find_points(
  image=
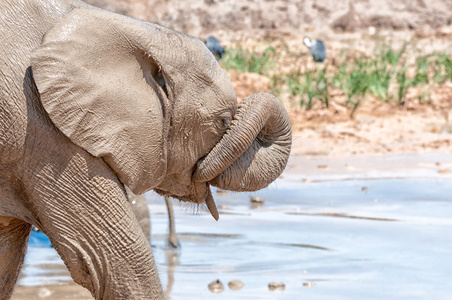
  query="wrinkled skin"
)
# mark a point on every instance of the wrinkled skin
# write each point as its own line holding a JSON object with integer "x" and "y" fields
{"x": 91, "y": 102}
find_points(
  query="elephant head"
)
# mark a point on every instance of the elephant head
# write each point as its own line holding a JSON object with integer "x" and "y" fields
{"x": 157, "y": 107}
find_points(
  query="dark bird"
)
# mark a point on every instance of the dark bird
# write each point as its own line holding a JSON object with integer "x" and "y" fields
{"x": 214, "y": 46}
{"x": 317, "y": 49}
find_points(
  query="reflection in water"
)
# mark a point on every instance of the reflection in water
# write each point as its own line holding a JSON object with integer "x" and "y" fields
{"x": 293, "y": 245}
{"x": 172, "y": 260}
{"x": 305, "y": 246}
{"x": 339, "y": 215}
{"x": 206, "y": 236}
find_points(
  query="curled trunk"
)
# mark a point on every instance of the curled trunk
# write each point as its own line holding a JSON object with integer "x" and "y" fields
{"x": 254, "y": 151}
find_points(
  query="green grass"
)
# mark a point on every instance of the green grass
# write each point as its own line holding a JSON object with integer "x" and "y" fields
{"x": 249, "y": 61}
{"x": 386, "y": 75}
{"x": 442, "y": 67}
{"x": 311, "y": 86}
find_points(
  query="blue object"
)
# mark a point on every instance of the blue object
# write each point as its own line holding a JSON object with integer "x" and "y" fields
{"x": 317, "y": 49}
{"x": 214, "y": 46}
{"x": 39, "y": 239}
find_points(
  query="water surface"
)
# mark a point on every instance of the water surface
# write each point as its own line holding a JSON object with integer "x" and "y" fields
{"x": 324, "y": 237}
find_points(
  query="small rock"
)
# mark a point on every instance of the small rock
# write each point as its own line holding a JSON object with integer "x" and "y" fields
{"x": 256, "y": 202}
{"x": 272, "y": 286}
{"x": 44, "y": 293}
{"x": 235, "y": 285}
{"x": 349, "y": 168}
{"x": 256, "y": 199}
{"x": 221, "y": 191}
{"x": 216, "y": 286}
{"x": 309, "y": 284}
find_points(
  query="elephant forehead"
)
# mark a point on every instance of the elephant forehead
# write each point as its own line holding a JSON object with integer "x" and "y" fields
{"x": 205, "y": 107}
{"x": 196, "y": 97}
{"x": 197, "y": 70}
{"x": 218, "y": 96}
{"x": 225, "y": 90}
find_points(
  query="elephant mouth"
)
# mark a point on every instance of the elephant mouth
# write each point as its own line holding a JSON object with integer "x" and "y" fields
{"x": 197, "y": 192}
{"x": 249, "y": 156}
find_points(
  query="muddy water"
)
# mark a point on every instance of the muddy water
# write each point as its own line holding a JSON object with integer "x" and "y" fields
{"x": 328, "y": 232}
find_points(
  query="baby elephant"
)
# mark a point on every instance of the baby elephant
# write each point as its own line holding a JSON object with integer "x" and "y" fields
{"x": 91, "y": 102}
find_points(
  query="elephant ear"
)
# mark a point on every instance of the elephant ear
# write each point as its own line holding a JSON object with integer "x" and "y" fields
{"x": 103, "y": 87}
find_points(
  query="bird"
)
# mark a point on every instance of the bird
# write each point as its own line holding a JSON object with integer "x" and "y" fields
{"x": 214, "y": 46}
{"x": 317, "y": 49}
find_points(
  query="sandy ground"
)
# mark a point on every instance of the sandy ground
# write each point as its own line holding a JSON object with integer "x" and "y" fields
{"x": 54, "y": 292}
{"x": 400, "y": 132}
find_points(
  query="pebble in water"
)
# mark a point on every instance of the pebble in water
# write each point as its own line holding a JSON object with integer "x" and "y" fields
{"x": 272, "y": 286}
{"x": 444, "y": 171}
{"x": 44, "y": 293}
{"x": 235, "y": 285}
{"x": 221, "y": 191}
{"x": 216, "y": 286}
{"x": 256, "y": 201}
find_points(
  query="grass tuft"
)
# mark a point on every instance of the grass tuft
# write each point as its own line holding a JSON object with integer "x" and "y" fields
{"x": 244, "y": 60}
{"x": 386, "y": 75}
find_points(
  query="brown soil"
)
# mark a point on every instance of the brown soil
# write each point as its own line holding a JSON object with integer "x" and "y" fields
{"x": 376, "y": 128}
{"x": 54, "y": 292}
{"x": 199, "y": 17}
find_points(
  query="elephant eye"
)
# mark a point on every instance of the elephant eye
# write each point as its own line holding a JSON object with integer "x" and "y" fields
{"x": 225, "y": 123}
{"x": 161, "y": 82}
{"x": 224, "y": 120}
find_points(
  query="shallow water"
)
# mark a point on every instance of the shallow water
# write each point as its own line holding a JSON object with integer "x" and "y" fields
{"x": 324, "y": 238}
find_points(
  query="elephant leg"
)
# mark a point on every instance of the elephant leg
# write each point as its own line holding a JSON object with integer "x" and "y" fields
{"x": 172, "y": 238}
{"x": 81, "y": 206}
{"x": 14, "y": 234}
{"x": 103, "y": 246}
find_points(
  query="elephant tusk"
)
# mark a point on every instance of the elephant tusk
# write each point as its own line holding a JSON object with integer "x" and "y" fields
{"x": 211, "y": 205}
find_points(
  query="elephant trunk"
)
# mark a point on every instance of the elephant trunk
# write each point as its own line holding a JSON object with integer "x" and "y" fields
{"x": 254, "y": 151}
